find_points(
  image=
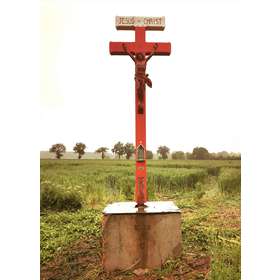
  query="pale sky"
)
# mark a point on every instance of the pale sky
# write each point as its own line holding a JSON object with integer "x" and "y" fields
{"x": 87, "y": 95}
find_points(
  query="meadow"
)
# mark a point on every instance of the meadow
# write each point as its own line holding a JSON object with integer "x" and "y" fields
{"x": 74, "y": 193}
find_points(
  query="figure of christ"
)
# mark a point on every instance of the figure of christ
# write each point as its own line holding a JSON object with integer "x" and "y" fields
{"x": 141, "y": 77}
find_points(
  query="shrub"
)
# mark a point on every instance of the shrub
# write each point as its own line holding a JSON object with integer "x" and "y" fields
{"x": 229, "y": 180}
{"x": 52, "y": 197}
{"x": 179, "y": 155}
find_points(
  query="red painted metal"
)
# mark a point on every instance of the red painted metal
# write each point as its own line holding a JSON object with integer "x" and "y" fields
{"x": 116, "y": 48}
{"x": 140, "y": 52}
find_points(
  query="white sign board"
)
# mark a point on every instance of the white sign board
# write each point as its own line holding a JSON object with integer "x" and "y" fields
{"x": 129, "y": 23}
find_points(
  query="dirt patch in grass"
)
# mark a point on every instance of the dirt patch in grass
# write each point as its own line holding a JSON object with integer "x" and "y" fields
{"x": 191, "y": 266}
{"x": 82, "y": 261}
{"x": 72, "y": 261}
{"x": 226, "y": 217}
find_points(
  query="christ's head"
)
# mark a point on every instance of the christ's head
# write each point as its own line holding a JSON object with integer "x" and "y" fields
{"x": 140, "y": 56}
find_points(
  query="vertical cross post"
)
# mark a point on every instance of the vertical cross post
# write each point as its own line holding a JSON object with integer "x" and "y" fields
{"x": 140, "y": 52}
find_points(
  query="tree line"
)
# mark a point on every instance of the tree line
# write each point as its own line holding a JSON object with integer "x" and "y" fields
{"x": 120, "y": 150}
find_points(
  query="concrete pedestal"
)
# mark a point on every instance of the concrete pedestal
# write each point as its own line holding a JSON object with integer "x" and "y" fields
{"x": 140, "y": 237}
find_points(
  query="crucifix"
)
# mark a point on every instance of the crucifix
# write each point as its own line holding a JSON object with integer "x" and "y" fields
{"x": 140, "y": 52}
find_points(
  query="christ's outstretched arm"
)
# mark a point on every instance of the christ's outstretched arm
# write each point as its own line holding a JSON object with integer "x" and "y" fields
{"x": 153, "y": 52}
{"x": 129, "y": 53}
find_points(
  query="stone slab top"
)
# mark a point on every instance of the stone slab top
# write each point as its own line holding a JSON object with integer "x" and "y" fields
{"x": 152, "y": 207}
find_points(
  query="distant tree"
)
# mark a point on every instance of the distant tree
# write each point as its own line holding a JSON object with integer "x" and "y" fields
{"x": 213, "y": 156}
{"x": 79, "y": 148}
{"x": 149, "y": 154}
{"x": 178, "y": 155}
{"x": 129, "y": 150}
{"x": 102, "y": 151}
{"x": 118, "y": 149}
{"x": 237, "y": 156}
{"x": 223, "y": 155}
{"x": 229, "y": 156}
{"x": 200, "y": 153}
{"x": 188, "y": 155}
{"x": 163, "y": 151}
{"x": 59, "y": 149}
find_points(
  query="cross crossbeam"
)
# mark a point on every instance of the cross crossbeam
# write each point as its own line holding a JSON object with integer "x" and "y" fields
{"x": 116, "y": 48}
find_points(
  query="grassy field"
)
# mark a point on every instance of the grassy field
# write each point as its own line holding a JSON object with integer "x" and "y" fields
{"x": 74, "y": 192}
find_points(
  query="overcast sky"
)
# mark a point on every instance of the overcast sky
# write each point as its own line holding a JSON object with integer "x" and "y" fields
{"x": 87, "y": 95}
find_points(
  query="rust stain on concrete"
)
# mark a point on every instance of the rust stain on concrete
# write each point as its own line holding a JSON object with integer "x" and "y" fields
{"x": 141, "y": 240}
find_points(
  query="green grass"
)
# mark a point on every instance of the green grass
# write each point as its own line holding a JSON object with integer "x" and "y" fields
{"x": 230, "y": 180}
{"x": 59, "y": 198}
{"x": 61, "y": 229}
{"x": 210, "y": 219}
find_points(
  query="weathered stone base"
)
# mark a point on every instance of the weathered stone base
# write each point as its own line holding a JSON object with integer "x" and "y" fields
{"x": 140, "y": 238}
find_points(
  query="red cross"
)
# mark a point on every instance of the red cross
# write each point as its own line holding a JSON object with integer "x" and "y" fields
{"x": 140, "y": 51}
